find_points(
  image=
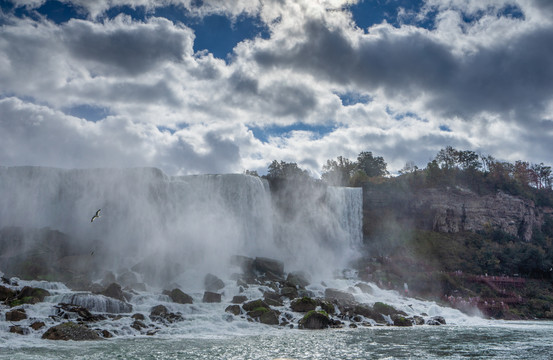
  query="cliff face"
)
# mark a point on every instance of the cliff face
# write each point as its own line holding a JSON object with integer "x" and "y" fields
{"x": 454, "y": 210}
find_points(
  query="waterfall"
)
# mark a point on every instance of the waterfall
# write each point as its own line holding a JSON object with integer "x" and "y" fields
{"x": 169, "y": 224}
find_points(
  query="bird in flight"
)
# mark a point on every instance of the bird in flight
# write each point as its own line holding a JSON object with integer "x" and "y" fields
{"x": 97, "y": 215}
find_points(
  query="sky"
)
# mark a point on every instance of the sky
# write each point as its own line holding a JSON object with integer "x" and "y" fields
{"x": 224, "y": 86}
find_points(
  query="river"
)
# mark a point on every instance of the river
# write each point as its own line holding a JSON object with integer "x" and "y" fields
{"x": 494, "y": 340}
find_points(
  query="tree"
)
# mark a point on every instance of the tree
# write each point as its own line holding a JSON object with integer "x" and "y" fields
{"x": 338, "y": 172}
{"x": 283, "y": 170}
{"x": 251, "y": 172}
{"x": 372, "y": 166}
{"x": 447, "y": 158}
{"x": 408, "y": 168}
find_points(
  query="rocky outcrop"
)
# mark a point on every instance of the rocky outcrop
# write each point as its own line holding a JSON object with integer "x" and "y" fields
{"x": 213, "y": 283}
{"x": 303, "y": 304}
{"x": 70, "y": 331}
{"x": 314, "y": 320}
{"x": 178, "y": 296}
{"x": 16, "y": 315}
{"x": 211, "y": 297}
{"x": 161, "y": 314}
{"x": 456, "y": 209}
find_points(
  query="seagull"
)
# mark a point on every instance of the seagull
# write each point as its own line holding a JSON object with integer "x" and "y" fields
{"x": 97, "y": 215}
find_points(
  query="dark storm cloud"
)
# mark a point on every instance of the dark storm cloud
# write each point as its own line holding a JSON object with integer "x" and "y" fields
{"x": 515, "y": 75}
{"x": 129, "y": 49}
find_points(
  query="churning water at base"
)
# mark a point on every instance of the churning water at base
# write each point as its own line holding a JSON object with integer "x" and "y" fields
{"x": 496, "y": 340}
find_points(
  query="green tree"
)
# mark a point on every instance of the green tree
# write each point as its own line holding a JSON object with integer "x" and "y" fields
{"x": 283, "y": 170}
{"x": 372, "y": 166}
{"x": 338, "y": 172}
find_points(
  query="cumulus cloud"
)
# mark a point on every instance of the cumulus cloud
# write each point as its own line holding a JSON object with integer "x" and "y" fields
{"x": 479, "y": 77}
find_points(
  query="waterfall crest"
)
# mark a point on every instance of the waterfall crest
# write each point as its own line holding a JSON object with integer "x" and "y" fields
{"x": 168, "y": 224}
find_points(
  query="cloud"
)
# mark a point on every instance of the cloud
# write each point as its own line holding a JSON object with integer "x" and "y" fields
{"x": 480, "y": 70}
{"x": 123, "y": 46}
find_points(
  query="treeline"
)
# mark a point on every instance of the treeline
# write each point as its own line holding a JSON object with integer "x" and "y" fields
{"x": 482, "y": 174}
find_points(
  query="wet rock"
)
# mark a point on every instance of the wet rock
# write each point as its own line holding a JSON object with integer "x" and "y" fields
{"x": 418, "y": 320}
{"x": 29, "y": 295}
{"x": 161, "y": 314}
{"x": 327, "y": 306}
{"x": 364, "y": 288}
{"x": 70, "y": 331}
{"x": 289, "y": 292}
{"x": 6, "y": 293}
{"x": 386, "y": 309}
{"x": 138, "y": 316}
{"x": 178, "y": 296}
{"x": 251, "y": 305}
{"x": 257, "y": 312}
{"x": 80, "y": 311}
{"x": 16, "y": 329}
{"x": 245, "y": 263}
{"x": 337, "y": 295}
{"x": 138, "y": 325}
{"x": 303, "y": 304}
{"x": 114, "y": 291}
{"x": 402, "y": 321}
{"x": 37, "y": 325}
{"x": 264, "y": 265}
{"x": 297, "y": 279}
{"x": 16, "y": 315}
{"x": 106, "y": 334}
{"x": 367, "y": 312}
{"x": 233, "y": 309}
{"x": 314, "y": 320}
{"x": 239, "y": 299}
{"x": 269, "y": 318}
{"x": 211, "y": 297}
{"x": 97, "y": 303}
{"x": 436, "y": 320}
{"x": 213, "y": 283}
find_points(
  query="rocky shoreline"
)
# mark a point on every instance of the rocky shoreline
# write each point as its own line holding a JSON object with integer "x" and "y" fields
{"x": 284, "y": 300}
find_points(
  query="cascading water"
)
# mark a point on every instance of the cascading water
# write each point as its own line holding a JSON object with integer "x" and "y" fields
{"x": 169, "y": 232}
{"x": 182, "y": 222}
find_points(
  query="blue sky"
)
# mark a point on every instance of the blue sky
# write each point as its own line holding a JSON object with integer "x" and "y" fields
{"x": 218, "y": 86}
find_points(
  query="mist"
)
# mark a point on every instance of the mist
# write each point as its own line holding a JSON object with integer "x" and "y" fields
{"x": 178, "y": 228}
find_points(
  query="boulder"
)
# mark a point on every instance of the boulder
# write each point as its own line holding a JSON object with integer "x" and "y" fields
{"x": 138, "y": 325}
{"x": 303, "y": 304}
{"x": 314, "y": 320}
{"x": 138, "y": 316}
{"x": 327, "y": 306}
{"x": 257, "y": 312}
{"x": 80, "y": 311}
{"x": 269, "y": 318}
{"x": 233, "y": 309}
{"x": 239, "y": 299}
{"x": 264, "y": 265}
{"x": 386, "y": 309}
{"x": 297, "y": 279}
{"x": 161, "y": 314}
{"x": 16, "y": 315}
{"x": 37, "y": 325}
{"x": 400, "y": 320}
{"x": 436, "y": 320}
{"x": 249, "y": 306}
{"x": 29, "y": 295}
{"x": 70, "y": 331}
{"x": 6, "y": 293}
{"x": 178, "y": 296}
{"x": 364, "y": 288}
{"x": 16, "y": 329}
{"x": 109, "y": 278}
{"x": 114, "y": 291}
{"x": 211, "y": 297}
{"x": 213, "y": 283}
{"x": 245, "y": 263}
{"x": 289, "y": 292}
{"x": 106, "y": 334}
{"x": 367, "y": 312}
{"x": 337, "y": 295}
